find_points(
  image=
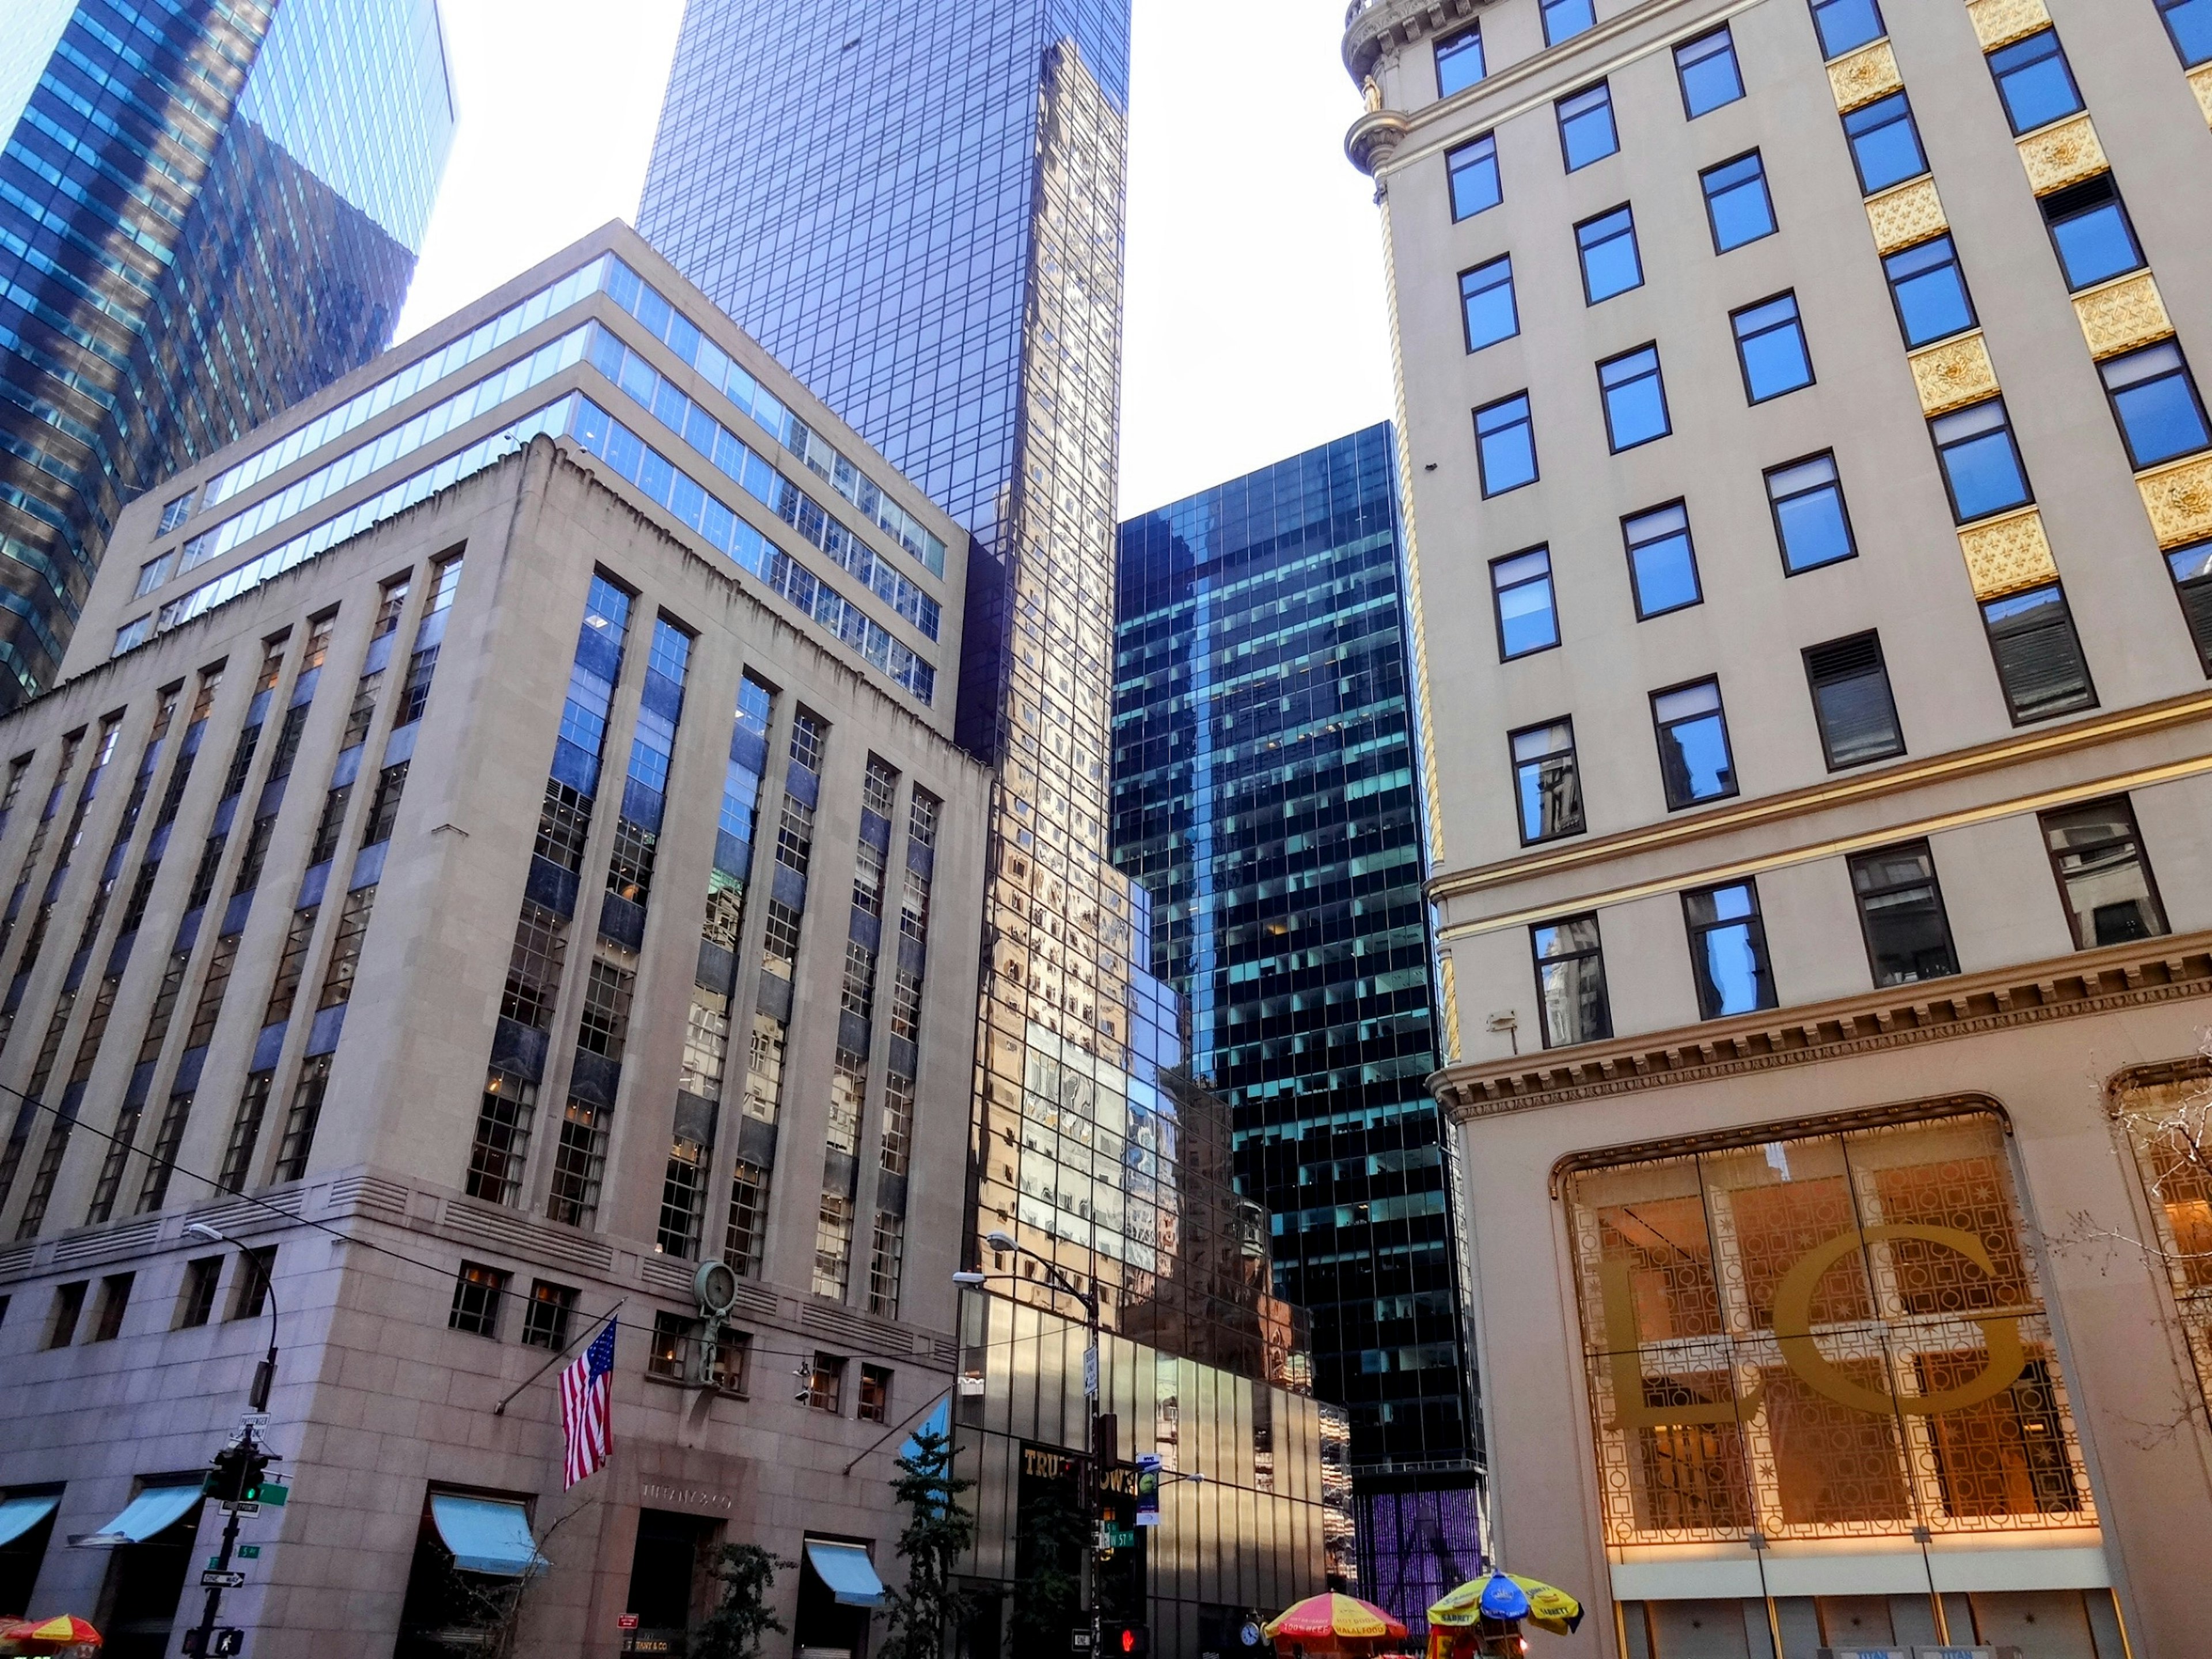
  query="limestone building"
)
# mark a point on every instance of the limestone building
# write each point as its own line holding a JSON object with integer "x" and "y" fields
{"x": 1810, "y": 500}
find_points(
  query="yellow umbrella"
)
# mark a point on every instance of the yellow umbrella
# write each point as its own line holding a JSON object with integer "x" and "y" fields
{"x": 1333, "y": 1618}
{"x": 1508, "y": 1595}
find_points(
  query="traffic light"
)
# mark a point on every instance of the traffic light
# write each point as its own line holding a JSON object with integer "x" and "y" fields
{"x": 236, "y": 1475}
{"x": 219, "y": 1643}
{"x": 1127, "y": 1639}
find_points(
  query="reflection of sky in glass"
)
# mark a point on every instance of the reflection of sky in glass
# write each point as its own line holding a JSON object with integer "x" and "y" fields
{"x": 2161, "y": 418}
{"x": 1701, "y": 750}
{"x": 1733, "y": 966}
{"x": 2096, "y": 245}
{"x": 1666, "y": 578}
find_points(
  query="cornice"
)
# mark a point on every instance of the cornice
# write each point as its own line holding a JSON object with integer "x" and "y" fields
{"x": 2142, "y": 973}
{"x": 1372, "y": 28}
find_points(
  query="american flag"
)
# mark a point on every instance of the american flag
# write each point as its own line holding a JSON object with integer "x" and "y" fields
{"x": 587, "y": 1409}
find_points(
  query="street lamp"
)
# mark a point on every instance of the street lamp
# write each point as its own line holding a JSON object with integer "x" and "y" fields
{"x": 265, "y": 1374}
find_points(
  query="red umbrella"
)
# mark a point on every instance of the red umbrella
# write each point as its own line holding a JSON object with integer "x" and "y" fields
{"x": 48, "y": 1635}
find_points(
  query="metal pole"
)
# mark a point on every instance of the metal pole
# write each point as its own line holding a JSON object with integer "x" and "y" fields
{"x": 214, "y": 1591}
{"x": 1097, "y": 1370}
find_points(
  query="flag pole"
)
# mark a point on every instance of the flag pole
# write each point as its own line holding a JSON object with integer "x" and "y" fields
{"x": 590, "y": 1328}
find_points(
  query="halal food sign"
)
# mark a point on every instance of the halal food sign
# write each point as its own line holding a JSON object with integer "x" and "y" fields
{"x": 1793, "y": 1332}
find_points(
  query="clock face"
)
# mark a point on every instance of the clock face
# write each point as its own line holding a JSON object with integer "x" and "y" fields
{"x": 717, "y": 1287}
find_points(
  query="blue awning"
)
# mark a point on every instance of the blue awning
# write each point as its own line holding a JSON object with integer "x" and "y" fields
{"x": 486, "y": 1535}
{"x": 848, "y": 1572}
{"x": 18, "y": 1515}
{"x": 153, "y": 1510}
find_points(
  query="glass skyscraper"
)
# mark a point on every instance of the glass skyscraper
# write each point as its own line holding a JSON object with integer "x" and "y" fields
{"x": 1265, "y": 791}
{"x": 206, "y": 213}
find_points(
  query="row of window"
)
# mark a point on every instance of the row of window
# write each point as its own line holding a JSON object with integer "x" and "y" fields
{"x": 196, "y": 1298}
{"x": 2097, "y": 857}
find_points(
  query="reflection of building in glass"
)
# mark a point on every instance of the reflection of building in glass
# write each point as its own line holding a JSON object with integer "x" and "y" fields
{"x": 1264, "y": 791}
{"x": 282, "y": 170}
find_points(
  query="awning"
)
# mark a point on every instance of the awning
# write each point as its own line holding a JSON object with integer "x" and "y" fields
{"x": 18, "y": 1515}
{"x": 486, "y": 1535}
{"x": 848, "y": 1572}
{"x": 153, "y": 1510}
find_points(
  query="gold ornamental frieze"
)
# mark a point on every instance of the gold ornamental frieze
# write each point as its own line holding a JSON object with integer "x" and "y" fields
{"x": 2064, "y": 155}
{"x": 1866, "y": 74}
{"x": 2179, "y": 499}
{"x": 1911, "y": 213}
{"x": 2008, "y": 555}
{"x": 2122, "y": 315}
{"x": 1954, "y": 374}
{"x": 2001, "y": 22}
{"x": 2201, "y": 79}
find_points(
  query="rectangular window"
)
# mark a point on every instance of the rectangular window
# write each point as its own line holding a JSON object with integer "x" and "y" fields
{"x": 1475, "y": 185}
{"x": 1810, "y": 522}
{"x": 2038, "y": 654}
{"x": 1485, "y": 298}
{"x": 833, "y": 1246}
{"x": 1693, "y": 744}
{"x": 1885, "y": 143}
{"x": 1982, "y": 466}
{"x": 1851, "y": 701}
{"x": 1737, "y": 204}
{"x": 580, "y": 1159}
{"x": 477, "y": 1292}
{"x": 1727, "y": 951}
{"x": 114, "y": 1302}
{"x": 1565, "y": 19}
{"x": 1505, "y": 444}
{"x": 824, "y": 1389}
{"x": 875, "y": 1402}
{"x": 501, "y": 1146}
{"x": 1548, "y": 782}
{"x": 1846, "y": 25}
{"x": 2033, "y": 80}
{"x": 2089, "y": 228}
{"x": 747, "y": 1228}
{"x": 175, "y": 512}
{"x": 249, "y": 1294}
{"x": 301, "y": 1117}
{"x": 1770, "y": 344}
{"x": 886, "y": 1265}
{"x": 1635, "y": 399}
{"x": 1520, "y": 589}
{"x": 1459, "y": 61}
{"x": 2097, "y": 853}
{"x": 1571, "y": 981}
{"x": 196, "y": 1301}
{"x": 2154, "y": 399}
{"x": 1929, "y": 292}
{"x": 1908, "y": 936}
{"x": 1707, "y": 69}
{"x": 68, "y": 1307}
{"x": 545, "y": 1316}
{"x": 345, "y": 947}
{"x": 1610, "y": 261}
{"x": 675, "y": 1336}
{"x": 2189, "y": 23}
{"x": 2192, "y": 581}
{"x": 1662, "y": 566}
{"x": 1587, "y": 133}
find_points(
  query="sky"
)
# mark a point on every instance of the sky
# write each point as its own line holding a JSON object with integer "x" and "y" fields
{"x": 1254, "y": 324}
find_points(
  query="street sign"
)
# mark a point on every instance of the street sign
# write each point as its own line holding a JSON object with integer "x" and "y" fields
{"x": 1090, "y": 1372}
{"x": 1113, "y": 1536}
{"x": 249, "y": 1508}
{"x": 249, "y": 1551}
{"x": 1148, "y": 1490}
{"x": 627, "y": 1621}
{"x": 212, "y": 1580}
{"x": 1079, "y": 1639}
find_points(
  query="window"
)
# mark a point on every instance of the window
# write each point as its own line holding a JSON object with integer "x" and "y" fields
{"x": 1586, "y": 131}
{"x": 1884, "y": 144}
{"x": 1548, "y": 782}
{"x": 822, "y": 1384}
{"x": 2189, "y": 23}
{"x": 886, "y": 1264}
{"x": 1693, "y": 745}
{"x": 1485, "y": 298}
{"x": 505, "y": 1116}
{"x": 1459, "y": 61}
{"x": 175, "y": 512}
{"x": 2156, "y": 402}
{"x": 1610, "y": 264}
{"x": 1707, "y": 70}
{"x": 2192, "y": 579}
{"x": 1527, "y": 619}
{"x": 476, "y": 1291}
{"x": 2034, "y": 82}
{"x": 1769, "y": 342}
{"x": 1663, "y": 567}
{"x": 1908, "y": 937}
{"x": 383, "y": 805}
{"x": 1571, "y": 981}
{"x": 196, "y": 1301}
{"x": 114, "y": 1302}
{"x": 675, "y": 1336}
{"x": 1565, "y": 19}
{"x": 2038, "y": 655}
{"x": 1810, "y": 518}
{"x": 1635, "y": 399}
{"x": 1852, "y": 701}
{"x": 1929, "y": 292}
{"x": 1727, "y": 951}
{"x": 545, "y": 1316}
{"x": 875, "y": 1403}
{"x": 1737, "y": 204}
{"x": 68, "y": 1307}
{"x": 1505, "y": 444}
{"x": 1846, "y": 25}
{"x": 2089, "y": 228}
{"x": 1981, "y": 463}
{"x": 2096, "y": 851}
{"x": 249, "y": 1294}
{"x": 1475, "y": 185}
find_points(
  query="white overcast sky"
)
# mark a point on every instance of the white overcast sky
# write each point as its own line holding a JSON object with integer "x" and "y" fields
{"x": 1255, "y": 324}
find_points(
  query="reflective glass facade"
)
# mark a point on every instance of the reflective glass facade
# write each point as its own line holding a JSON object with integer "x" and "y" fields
{"x": 209, "y": 214}
{"x": 1264, "y": 791}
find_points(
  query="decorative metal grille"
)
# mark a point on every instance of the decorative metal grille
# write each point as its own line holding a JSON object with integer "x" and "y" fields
{"x": 2169, "y": 1124}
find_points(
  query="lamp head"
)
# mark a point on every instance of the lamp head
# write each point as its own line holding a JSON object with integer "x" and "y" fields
{"x": 205, "y": 1231}
{"x": 1000, "y": 1240}
{"x": 970, "y": 1281}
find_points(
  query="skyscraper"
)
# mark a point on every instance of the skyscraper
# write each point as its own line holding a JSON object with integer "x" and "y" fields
{"x": 942, "y": 264}
{"x": 210, "y": 212}
{"x": 1264, "y": 791}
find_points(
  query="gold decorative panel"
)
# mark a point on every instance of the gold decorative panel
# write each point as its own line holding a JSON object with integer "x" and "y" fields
{"x": 2179, "y": 499}
{"x": 2201, "y": 78}
{"x": 1911, "y": 213}
{"x": 2062, "y": 156}
{"x": 1954, "y": 374}
{"x": 2009, "y": 555}
{"x": 1866, "y": 74}
{"x": 2122, "y": 315}
{"x": 2001, "y": 22}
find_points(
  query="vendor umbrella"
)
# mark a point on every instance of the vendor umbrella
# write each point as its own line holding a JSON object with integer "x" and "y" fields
{"x": 1508, "y": 1595}
{"x": 1333, "y": 1618}
{"x": 44, "y": 1635}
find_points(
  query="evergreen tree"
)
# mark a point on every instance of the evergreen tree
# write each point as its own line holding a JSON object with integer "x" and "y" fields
{"x": 733, "y": 1630}
{"x": 940, "y": 1530}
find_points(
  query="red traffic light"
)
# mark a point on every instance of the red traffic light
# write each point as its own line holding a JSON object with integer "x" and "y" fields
{"x": 1127, "y": 1638}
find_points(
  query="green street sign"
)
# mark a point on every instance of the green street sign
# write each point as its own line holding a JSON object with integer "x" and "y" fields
{"x": 249, "y": 1551}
